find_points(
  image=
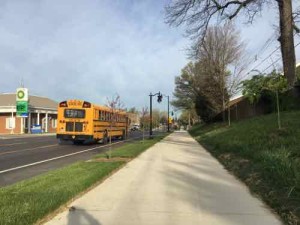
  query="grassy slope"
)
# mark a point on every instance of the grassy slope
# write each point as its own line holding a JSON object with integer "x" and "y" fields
{"x": 28, "y": 201}
{"x": 265, "y": 158}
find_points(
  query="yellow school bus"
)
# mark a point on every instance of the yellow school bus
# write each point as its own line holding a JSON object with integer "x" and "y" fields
{"x": 81, "y": 121}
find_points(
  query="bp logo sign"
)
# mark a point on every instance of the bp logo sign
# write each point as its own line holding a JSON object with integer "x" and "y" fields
{"x": 22, "y": 94}
{"x": 22, "y": 102}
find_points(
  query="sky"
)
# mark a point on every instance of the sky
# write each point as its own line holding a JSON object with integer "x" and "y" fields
{"x": 95, "y": 49}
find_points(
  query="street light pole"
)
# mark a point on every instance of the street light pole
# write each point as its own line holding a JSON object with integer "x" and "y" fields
{"x": 159, "y": 100}
{"x": 150, "y": 115}
{"x": 168, "y": 112}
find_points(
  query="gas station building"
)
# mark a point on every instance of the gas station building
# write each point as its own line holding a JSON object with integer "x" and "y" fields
{"x": 41, "y": 117}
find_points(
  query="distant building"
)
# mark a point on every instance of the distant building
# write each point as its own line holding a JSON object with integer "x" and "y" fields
{"x": 42, "y": 114}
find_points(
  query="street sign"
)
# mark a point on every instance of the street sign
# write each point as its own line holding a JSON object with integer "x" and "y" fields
{"x": 22, "y": 102}
{"x": 22, "y": 108}
{"x": 22, "y": 94}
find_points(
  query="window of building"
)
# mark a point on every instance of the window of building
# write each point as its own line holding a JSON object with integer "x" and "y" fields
{"x": 10, "y": 123}
{"x": 54, "y": 123}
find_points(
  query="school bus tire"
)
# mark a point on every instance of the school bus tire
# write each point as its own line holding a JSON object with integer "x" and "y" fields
{"x": 123, "y": 137}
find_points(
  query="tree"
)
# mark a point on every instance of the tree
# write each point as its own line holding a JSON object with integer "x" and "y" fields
{"x": 195, "y": 90}
{"x": 220, "y": 49}
{"x": 133, "y": 110}
{"x": 198, "y": 15}
{"x": 155, "y": 117}
{"x": 208, "y": 84}
{"x": 253, "y": 88}
{"x": 187, "y": 117}
{"x": 115, "y": 105}
{"x": 145, "y": 119}
{"x": 275, "y": 83}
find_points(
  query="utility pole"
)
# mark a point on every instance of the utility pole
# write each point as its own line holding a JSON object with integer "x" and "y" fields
{"x": 168, "y": 112}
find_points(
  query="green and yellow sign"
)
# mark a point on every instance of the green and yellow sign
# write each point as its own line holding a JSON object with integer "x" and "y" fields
{"x": 22, "y": 102}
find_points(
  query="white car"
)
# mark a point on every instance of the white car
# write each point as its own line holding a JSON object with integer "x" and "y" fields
{"x": 135, "y": 127}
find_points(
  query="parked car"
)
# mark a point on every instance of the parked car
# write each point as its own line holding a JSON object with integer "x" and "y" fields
{"x": 135, "y": 127}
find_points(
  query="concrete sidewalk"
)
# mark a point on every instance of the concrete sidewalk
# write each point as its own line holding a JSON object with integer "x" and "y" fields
{"x": 174, "y": 182}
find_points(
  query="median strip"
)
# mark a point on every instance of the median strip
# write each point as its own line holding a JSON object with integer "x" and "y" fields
{"x": 55, "y": 158}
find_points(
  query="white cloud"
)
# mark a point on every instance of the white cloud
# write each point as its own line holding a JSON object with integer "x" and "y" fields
{"x": 93, "y": 49}
{"x": 89, "y": 50}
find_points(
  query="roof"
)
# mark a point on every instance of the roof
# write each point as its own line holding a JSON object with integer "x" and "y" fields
{"x": 34, "y": 101}
{"x": 236, "y": 100}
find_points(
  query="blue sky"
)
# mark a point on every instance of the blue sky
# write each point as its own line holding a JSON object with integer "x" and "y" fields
{"x": 92, "y": 49}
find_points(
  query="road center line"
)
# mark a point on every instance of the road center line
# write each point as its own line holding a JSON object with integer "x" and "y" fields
{"x": 18, "y": 143}
{"x": 27, "y": 149}
{"x": 55, "y": 158}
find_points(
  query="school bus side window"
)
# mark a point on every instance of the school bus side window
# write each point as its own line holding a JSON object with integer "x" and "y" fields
{"x": 100, "y": 115}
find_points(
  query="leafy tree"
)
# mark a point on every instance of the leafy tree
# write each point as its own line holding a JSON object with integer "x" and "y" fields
{"x": 187, "y": 117}
{"x": 194, "y": 89}
{"x": 253, "y": 88}
{"x": 275, "y": 83}
{"x": 199, "y": 15}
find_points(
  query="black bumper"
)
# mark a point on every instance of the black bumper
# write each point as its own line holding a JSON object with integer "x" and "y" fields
{"x": 74, "y": 137}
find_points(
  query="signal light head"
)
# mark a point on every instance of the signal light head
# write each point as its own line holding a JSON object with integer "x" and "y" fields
{"x": 159, "y": 98}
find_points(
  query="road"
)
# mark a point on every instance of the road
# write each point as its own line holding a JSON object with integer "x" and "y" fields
{"x": 25, "y": 157}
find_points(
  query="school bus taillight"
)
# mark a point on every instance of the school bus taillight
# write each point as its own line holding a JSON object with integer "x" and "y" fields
{"x": 63, "y": 104}
{"x": 86, "y": 105}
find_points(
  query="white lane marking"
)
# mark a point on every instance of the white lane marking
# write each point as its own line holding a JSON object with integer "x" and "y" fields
{"x": 26, "y": 149}
{"x": 59, "y": 157}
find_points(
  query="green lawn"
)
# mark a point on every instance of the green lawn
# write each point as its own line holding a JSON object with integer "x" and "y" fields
{"x": 26, "y": 202}
{"x": 265, "y": 158}
{"x": 133, "y": 149}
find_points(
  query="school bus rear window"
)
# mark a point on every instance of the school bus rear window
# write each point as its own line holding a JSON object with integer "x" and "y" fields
{"x": 74, "y": 113}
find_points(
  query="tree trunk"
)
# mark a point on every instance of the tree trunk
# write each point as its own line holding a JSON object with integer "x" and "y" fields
{"x": 287, "y": 40}
{"x": 229, "y": 119}
{"x": 223, "y": 108}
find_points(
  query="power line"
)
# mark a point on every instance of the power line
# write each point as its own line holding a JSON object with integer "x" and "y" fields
{"x": 277, "y": 60}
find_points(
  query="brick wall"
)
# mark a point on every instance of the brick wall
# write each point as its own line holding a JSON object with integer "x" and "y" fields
{"x": 3, "y": 129}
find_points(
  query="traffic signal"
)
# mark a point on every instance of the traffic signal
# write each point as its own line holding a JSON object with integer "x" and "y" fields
{"x": 159, "y": 98}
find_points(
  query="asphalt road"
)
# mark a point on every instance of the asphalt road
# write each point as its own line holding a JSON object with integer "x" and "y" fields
{"x": 25, "y": 157}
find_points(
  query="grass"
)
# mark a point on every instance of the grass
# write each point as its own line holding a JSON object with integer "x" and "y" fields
{"x": 29, "y": 201}
{"x": 265, "y": 158}
{"x": 133, "y": 149}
